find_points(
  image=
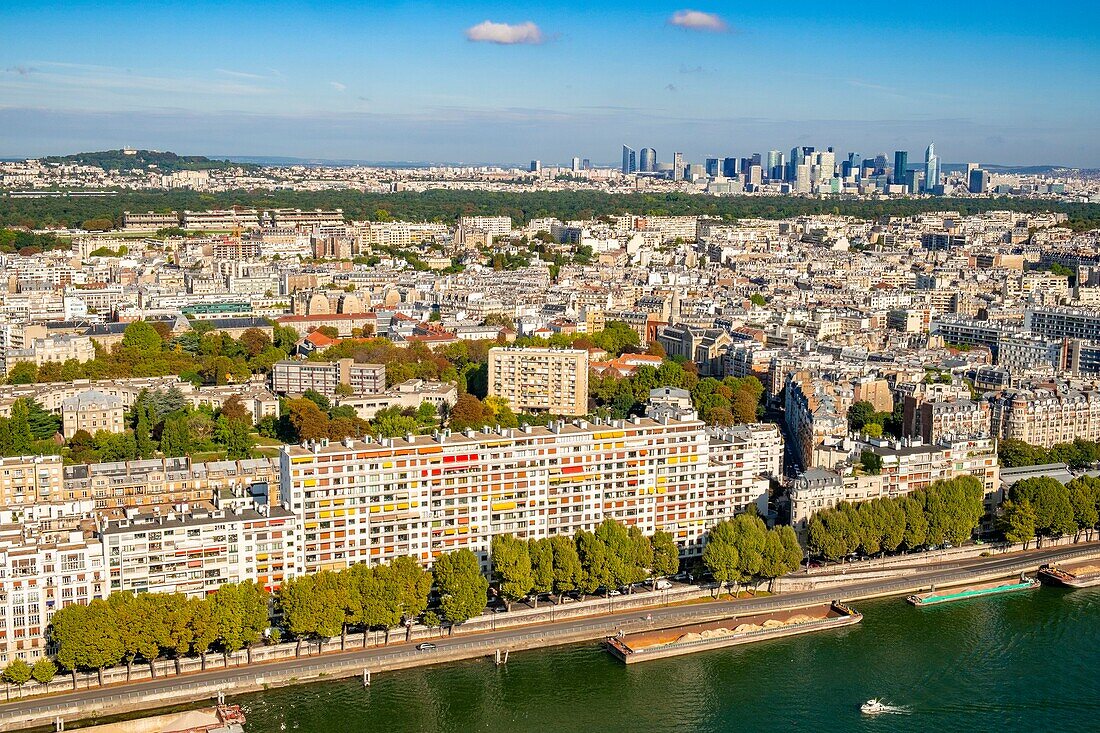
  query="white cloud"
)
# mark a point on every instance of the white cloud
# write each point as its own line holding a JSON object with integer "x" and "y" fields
{"x": 697, "y": 20}
{"x": 337, "y": 86}
{"x": 504, "y": 33}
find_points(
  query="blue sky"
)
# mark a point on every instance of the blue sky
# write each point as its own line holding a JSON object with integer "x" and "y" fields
{"x": 1001, "y": 82}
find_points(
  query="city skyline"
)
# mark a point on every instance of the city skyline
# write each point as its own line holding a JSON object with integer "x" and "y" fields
{"x": 495, "y": 83}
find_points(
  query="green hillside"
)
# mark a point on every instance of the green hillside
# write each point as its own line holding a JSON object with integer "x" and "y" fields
{"x": 145, "y": 159}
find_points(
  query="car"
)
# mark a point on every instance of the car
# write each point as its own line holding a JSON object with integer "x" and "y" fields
{"x": 426, "y": 646}
{"x": 663, "y": 585}
{"x": 947, "y": 545}
{"x": 614, "y": 592}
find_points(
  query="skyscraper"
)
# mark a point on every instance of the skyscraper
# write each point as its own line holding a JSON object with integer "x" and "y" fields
{"x": 852, "y": 165}
{"x": 901, "y": 164}
{"x": 630, "y": 160}
{"x": 775, "y": 165}
{"x": 677, "y": 166}
{"x": 729, "y": 167}
{"x": 797, "y": 157}
{"x": 880, "y": 164}
{"x": 978, "y": 181}
{"x": 713, "y": 167}
{"x": 931, "y": 169}
{"x": 536, "y": 166}
{"x": 648, "y": 160}
{"x": 575, "y": 164}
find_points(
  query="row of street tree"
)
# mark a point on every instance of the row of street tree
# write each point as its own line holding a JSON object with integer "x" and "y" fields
{"x": 1045, "y": 507}
{"x": 945, "y": 511}
{"x": 127, "y": 629}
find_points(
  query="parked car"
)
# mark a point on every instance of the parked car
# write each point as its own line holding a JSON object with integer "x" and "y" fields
{"x": 663, "y": 584}
{"x": 426, "y": 646}
{"x": 614, "y": 592}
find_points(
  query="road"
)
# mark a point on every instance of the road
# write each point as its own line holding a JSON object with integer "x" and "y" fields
{"x": 134, "y": 696}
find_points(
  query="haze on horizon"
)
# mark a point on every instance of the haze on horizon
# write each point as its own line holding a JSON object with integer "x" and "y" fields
{"x": 1004, "y": 83}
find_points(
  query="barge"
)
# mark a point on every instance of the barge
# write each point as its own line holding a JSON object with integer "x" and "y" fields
{"x": 1081, "y": 575}
{"x": 934, "y": 597}
{"x": 646, "y": 645}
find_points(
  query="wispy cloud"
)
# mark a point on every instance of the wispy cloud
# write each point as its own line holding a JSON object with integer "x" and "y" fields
{"x": 685, "y": 69}
{"x": 697, "y": 20}
{"x": 337, "y": 86}
{"x": 59, "y": 77}
{"x": 505, "y": 34}
{"x": 671, "y": 88}
{"x": 240, "y": 74}
{"x": 21, "y": 70}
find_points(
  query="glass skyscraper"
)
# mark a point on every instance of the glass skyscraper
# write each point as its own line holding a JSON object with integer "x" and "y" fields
{"x": 647, "y": 161}
{"x": 901, "y": 164}
{"x": 630, "y": 160}
{"x": 931, "y": 168}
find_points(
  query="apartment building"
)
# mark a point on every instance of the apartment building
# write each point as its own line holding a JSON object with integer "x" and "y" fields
{"x": 906, "y": 467}
{"x": 1046, "y": 416}
{"x": 540, "y": 380}
{"x": 41, "y": 570}
{"x": 194, "y": 549}
{"x": 55, "y": 349}
{"x": 410, "y": 394}
{"x": 29, "y": 480}
{"x": 221, "y": 220}
{"x": 162, "y": 481}
{"x": 92, "y": 411}
{"x": 1064, "y": 322}
{"x": 425, "y": 495}
{"x": 150, "y": 221}
{"x": 740, "y": 461}
{"x": 495, "y": 225}
{"x": 295, "y": 377}
{"x": 931, "y": 420}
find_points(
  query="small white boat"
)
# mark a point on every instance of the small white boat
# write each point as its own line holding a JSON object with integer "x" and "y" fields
{"x": 874, "y": 706}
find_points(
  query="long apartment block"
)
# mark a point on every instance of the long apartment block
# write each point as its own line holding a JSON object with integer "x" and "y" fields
{"x": 424, "y": 495}
{"x": 295, "y": 377}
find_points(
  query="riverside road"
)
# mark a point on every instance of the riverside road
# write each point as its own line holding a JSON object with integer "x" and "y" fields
{"x": 200, "y": 686}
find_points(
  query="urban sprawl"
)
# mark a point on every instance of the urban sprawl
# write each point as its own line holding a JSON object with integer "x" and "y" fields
{"x": 194, "y": 398}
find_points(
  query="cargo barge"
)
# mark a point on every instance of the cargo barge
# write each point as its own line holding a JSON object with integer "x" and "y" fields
{"x": 646, "y": 645}
{"x": 1081, "y": 575}
{"x": 934, "y": 597}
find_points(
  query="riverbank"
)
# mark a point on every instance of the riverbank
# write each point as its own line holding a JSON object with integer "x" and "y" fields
{"x": 151, "y": 694}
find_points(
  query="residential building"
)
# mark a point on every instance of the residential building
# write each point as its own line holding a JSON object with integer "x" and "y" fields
{"x": 92, "y": 411}
{"x": 295, "y": 377}
{"x": 540, "y": 379}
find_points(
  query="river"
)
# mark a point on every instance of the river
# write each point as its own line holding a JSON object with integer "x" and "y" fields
{"x": 1027, "y": 661}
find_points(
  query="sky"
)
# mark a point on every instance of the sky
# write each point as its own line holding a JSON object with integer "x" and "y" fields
{"x": 994, "y": 82}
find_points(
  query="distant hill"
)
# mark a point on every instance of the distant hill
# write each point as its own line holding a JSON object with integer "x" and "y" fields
{"x": 145, "y": 159}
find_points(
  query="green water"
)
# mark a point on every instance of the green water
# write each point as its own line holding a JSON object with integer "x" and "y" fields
{"x": 1026, "y": 661}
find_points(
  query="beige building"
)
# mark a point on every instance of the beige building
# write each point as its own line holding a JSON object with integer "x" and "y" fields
{"x": 30, "y": 480}
{"x": 540, "y": 380}
{"x": 295, "y": 377}
{"x": 93, "y": 411}
{"x": 1046, "y": 416}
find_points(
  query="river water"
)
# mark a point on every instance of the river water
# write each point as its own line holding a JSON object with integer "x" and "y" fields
{"x": 1027, "y": 661}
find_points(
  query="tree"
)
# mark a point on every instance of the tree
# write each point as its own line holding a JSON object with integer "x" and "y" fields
{"x": 871, "y": 462}
{"x": 23, "y": 372}
{"x": 595, "y": 565}
{"x": 142, "y": 339}
{"x": 254, "y": 341}
{"x": 101, "y": 646}
{"x": 666, "y": 556}
{"x": 512, "y": 567}
{"x": 1084, "y": 497}
{"x": 235, "y": 436}
{"x": 567, "y": 565}
{"x": 175, "y": 437}
{"x": 234, "y": 409}
{"x": 239, "y": 613}
{"x": 413, "y": 584}
{"x": 859, "y": 414}
{"x": 19, "y": 428}
{"x": 1050, "y": 499}
{"x": 467, "y": 412}
{"x": 142, "y": 433}
{"x": 18, "y": 672}
{"x": 1019, "y": 522}
{"x": 720, "y": 555}
{"x": 309, "y": 422}
{"x": 462, "y": 587}
{"x": 390, "y": 423}
{"x": 43, "y": 672}
{"x": 542, "y": 567}
{"x": 758, "y": 300}
{"x": 43, "y": 423}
